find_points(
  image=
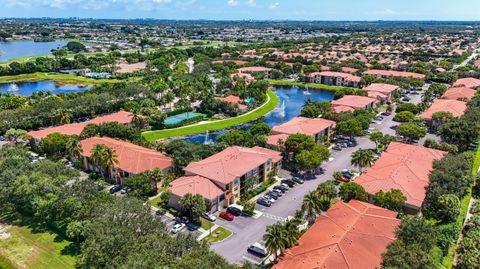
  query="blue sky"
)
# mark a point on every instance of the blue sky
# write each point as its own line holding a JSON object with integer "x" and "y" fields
{"x": 247, "y": 9}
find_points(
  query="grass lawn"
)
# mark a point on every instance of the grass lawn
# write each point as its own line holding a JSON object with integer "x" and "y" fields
{"x": 62, "y": 79}
{"x": 279, "y": 82}
{"x": 217, "y": 235}
{"x": 157, "y": 202}
{"x": 216, "y": 125}
{"x": 206, "y": 224}
{"x": 31, "y": 247}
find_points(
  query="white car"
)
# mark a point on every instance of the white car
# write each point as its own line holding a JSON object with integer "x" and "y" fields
{"x": 209, "y": 216}
{"x": 178, "y": 227}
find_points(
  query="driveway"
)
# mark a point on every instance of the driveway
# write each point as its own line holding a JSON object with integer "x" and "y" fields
{"x": 247, "y": 230}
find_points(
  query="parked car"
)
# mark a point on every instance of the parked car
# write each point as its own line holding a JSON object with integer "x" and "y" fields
{"x": 115, "y": 188}
{"x": 387, "y": 113}
{"x": 264, "y": 202}
{"x": 278, "y": 189}
{"x": 288, "y": 182}
{"x": 234, "y": 211}
{"x": 269, "y": 198}
{"x": 275, "y": 194}
{"x": 297, "y": 180}
{"x": 226, "y": 216}
{"x": 209, "y": 216}
{"x": 178, "y": 227}
{"x": 337, "y": 148}
{"x": 347, "y": 174}
{"x": 257, "y": 249}
{"x": 285, "y": 186}
{"x": 160, "y": 212}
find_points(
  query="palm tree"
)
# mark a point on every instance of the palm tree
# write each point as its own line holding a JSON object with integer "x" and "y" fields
{"x": 275, "y": 239}
{"x": 109, "y": 159}
{"x": 312, "y": 206}
{"x": 104, "y": 157}
{"x": 362, "y": 158}
{"x": 74, "y": 148}
{"x": 97, "y": 156}
{"x": 292, "y": 232}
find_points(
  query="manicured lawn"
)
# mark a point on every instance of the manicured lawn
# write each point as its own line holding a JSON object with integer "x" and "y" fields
{"x": 206, "y": 224}
{"x": 31, "y": 247}
{"x": 157, "y": 202}
{"x": 216, "y": 125}
{"x": 62, "y": 79}
{"x": 217, "y": 235}
{"x": 279, "y": 82}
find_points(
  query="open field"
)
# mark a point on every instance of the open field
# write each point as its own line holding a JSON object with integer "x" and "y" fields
{"x": 279, "y": 82}
{"x": 268, "y": 106}
{"x": 62, "y": 79}
{"x": 28, "y": 246}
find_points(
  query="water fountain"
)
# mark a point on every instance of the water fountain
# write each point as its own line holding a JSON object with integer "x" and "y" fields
{"x": 13, "y": 88}
{"x": 306, "y": 92}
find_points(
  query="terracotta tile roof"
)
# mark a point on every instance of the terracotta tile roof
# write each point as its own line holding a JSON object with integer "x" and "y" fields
{"x": 233, "y": 99}
{"x": 273, "y": 139}
{"x": 467, "y": 82}
{"x": 121, "y": 117}
{"x": 302, "y": 125}
{"x": 394, "y": 73}
{"x": 349, "y": 70}
{"x": 345, "y": 76}
{"x": 354, "y": 101}
{"x": 459, "y": 94}
{"x": 238, "y": 62}
{"x": 247, "y": 77}
{"x": 131, "y": 158}
{"x": 195, "y": 185}
{"x": 232, "y": 162}
{"x": 253, "y": 69}
{"x": 381, "y": 87}
{"x": 403, "y": 167}
{"x": 339, "y": 109}
{"x": 457, "y": 108}
{"x": 350, "y": 235}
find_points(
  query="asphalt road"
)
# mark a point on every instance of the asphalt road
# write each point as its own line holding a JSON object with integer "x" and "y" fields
{"x": 247, "y": 230}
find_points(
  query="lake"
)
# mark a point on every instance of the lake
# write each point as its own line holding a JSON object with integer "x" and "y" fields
{"x": 27, "y": 88}
{"x": 289, "y": 106}
{"x": 15, "y": 49}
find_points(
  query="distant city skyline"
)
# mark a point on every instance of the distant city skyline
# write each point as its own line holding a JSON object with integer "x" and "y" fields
{"x": 371, "y": 10}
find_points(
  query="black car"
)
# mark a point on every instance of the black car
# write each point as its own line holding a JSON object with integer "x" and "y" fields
{"x": 347, "y": 175}
{"x": 234, "y": 211}
{"x": 288, "y": 182}
{"x": 115, "y": 188}
{"x": 263, "y": 201}
{"x": 297, "y": 180}
{"x": 274, "y": 194}
{"x": 160, "y": 212}
{"x": 280, "y": 188}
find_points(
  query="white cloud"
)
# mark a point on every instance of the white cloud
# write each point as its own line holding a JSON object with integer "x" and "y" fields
{"x": 273, "y": 5}
{"x": 252, "y": 3}
{"x": 232, "y": 3}
{"x": 88, "y": 4}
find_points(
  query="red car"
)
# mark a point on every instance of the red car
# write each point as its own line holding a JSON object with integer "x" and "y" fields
{"x": 226, "y": 215}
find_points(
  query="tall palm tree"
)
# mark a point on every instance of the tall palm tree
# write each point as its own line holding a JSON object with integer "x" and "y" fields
{"x": 362, "y": 158}
{"x": 292, "y": 232}
{"x": 275, "y": 239}
{"x": 104, "y": 157}
{"x": 97, "y": 156}
{"x": 109, "y": 159}
{"x": 312, "y": 206}
{"x": 74, "y": 148}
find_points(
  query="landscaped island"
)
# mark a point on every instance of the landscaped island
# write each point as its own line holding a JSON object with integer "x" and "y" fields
{"x": 269, "y": 105}
{"x": 61, "y": 79}
{"x": 281, "y": 82}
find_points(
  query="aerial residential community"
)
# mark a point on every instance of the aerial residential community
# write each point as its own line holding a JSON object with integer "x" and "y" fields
{"x": 240, "y": 134}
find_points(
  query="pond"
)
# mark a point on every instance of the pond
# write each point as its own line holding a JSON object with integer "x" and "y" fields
{"x": 15, "y": 49}
{"x": 290, "y": 106}
{"x": 27, "y": 88}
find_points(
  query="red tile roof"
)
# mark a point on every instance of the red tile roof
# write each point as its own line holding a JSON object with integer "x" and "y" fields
{"x": 350, "y": 235}
{"x": 467, "y": 82}
{"x": 391, "y": 73}
{"x": 232, "y": 162}
{"x": 381, "y": 87}
{"x": 233, "y": 99}
{"x": 131, "y": 158}
{"x": 238, "y": 62}
{"x": 302, "y": 125}
{"x": 349, "y": 70}
{"x": 459, "y": 94}
{"x": 254, "y": 69}
{"x": 339, "y": 109}
{"x": 457, "y": 108}
{"x": 121, "y": 117}
{"x": 274, "y": 139}
{"x": 403, "y": 167}
{"x": 195, "y": 185}
{"x": 354, "y": 101}
{"x": 345, "y": 76}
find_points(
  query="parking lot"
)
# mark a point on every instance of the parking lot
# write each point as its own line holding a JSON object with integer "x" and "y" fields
{"x": 247, "y": 230}
{"x": 189, "y": 229}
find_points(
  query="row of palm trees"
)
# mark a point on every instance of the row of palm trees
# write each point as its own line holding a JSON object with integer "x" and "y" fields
{"x": 281, "y": 236}
{"x": 102, "y": 156}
